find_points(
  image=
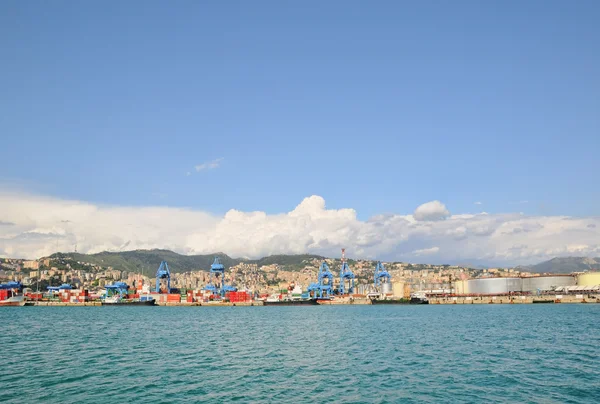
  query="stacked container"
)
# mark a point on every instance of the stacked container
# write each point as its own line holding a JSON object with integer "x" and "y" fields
{"x": 173, "y": 298}
{"x": 235, "y": 297}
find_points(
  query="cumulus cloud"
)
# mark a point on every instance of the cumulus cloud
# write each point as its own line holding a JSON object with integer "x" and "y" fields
{"x": 477, "y": 203}
{"x": 426, "y": 251}
{"x": 434, "y": 210}
{"x": 208, "y": 165}
{"x": 42, "y": 225}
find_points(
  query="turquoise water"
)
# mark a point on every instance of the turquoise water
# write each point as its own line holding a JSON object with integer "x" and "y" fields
{"x": 359, "y": 354}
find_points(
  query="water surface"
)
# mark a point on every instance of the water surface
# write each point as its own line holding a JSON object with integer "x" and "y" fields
{"x": 344, "y": 354}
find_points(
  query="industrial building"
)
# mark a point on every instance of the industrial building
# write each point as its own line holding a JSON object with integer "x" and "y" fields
{"x": 508, "y": 285}
{"x": 588, "y": 281}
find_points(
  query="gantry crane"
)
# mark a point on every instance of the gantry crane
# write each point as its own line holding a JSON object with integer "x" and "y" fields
{"x": 381, "y": 276}
{"x": 163, "y": 274}
{"x": 218, "y": 287}
{"x": 346, "y": 275}
{"x": 324, "y": 288}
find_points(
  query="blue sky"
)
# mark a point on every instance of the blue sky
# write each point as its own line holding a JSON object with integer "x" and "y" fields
{"x": 376, "y": 106}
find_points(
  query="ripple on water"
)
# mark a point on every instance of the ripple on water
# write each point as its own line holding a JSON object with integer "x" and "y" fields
{"x": 375, "y": 354}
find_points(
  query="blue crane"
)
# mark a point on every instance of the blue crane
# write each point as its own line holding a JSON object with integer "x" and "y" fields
{"x": 163, "y": 272}
{"x": 381, "y": 275}
{"x": 217, "y": 270}
{"x": 218, "y": 287}
{"x": 346, "y": 275}
{"x": 324, "y": 288}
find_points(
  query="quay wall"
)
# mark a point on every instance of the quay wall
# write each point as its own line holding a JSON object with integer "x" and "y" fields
{"x": 515, "y": 299}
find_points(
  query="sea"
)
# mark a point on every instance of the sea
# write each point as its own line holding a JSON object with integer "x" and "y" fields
{"x": 338, "y": 354}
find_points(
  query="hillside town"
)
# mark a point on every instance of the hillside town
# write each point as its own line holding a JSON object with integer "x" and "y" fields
{"x": 53, "y": 271}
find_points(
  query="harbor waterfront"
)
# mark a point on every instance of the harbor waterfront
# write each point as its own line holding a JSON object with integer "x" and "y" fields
{"x": 378, "y": 354}
{"x": 221, "y": 290}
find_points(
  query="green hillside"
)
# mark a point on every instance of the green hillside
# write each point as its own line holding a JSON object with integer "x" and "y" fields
{"x": 147, "y": 261}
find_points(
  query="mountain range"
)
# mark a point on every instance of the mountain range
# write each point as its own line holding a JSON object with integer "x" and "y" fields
{"x": 147, "y": 261}
{"x": 564, "y": 265}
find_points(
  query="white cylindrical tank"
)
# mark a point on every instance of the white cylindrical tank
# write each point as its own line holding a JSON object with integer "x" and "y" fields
{"x": 588, "y": 279}
{"x": 494, "y": 286}
{"x": 386, "y": 288}
{"x": 461, "y": 287}
{"x": 547, "y": 283}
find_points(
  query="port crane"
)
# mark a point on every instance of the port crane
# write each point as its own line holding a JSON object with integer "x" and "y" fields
{"x": 346, "y": 276}
{"x": 218, "y": 286}
{"x": 381, "y": 275}
{"x": 163, "y": 274}
{"x": 324, "y": 287}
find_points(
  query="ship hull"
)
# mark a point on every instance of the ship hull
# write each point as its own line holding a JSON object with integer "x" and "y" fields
{"x": 15, "y": 301}
{"x": 399, "y": 301}
{"x": 136, "y": 303}
{"x": 308, "y": 302}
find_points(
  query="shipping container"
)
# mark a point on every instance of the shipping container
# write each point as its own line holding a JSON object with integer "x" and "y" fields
{"x": 173, "y": 298}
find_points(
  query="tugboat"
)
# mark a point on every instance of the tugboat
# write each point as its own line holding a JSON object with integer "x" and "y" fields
{"x": 11, "y": 294}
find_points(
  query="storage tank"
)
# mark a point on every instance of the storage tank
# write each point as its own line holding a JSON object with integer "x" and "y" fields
{"x": 588, "y": 279}
{"x": 364, "y": 289}
{"x": 494, "y": 286}
{"x": 398, "y": 289}
{"x": 460, "y": 287}
{"x": 386, "y": 288}
{"x": 534, "y": 284}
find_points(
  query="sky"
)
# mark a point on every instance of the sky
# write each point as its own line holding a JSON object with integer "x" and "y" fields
{"x": 429, "y": 131}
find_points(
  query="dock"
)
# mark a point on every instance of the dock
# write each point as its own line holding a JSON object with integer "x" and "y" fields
{"x": 549, "y": 299}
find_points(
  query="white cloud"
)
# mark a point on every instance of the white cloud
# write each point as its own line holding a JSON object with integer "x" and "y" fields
{"x": 209, "y": 165}
{"x": 36, "y": 225}
{"x": 478, "y": 203}
{"x": 426, "y": 251}
{"x": 434, "y": 210}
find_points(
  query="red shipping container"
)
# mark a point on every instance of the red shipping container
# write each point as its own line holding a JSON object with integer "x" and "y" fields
{"x": 173, "y": 298}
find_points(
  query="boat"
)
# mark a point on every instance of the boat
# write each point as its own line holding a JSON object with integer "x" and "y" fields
{"x": 117, "y": 300}
{"x": 379, "y": 298}
{"x": 280, "y": 300}
{"x": 291, "y": 302}
{"x": 412, "y": 300}
{"x": 11, "y": 294}
{"x": 116, "y": 295}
